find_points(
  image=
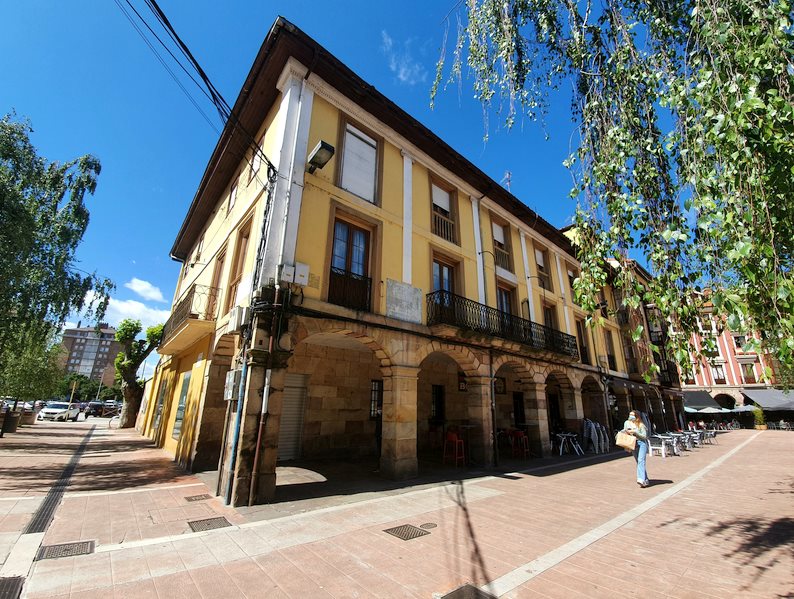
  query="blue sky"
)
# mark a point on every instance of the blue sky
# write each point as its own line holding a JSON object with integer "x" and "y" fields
{"x": 88, "y": 83}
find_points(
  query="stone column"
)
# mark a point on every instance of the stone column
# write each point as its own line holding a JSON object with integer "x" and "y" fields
{"x": 537, "y": 414}
{"x": 574, "y": 409}
{"x": 479, "y": 413}
{"x": 398, "y": 459}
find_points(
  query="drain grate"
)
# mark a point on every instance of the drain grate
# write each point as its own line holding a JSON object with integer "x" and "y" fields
{"x": 428, "y": 525}
{"x": 406, "y": 532}
{"x": 65, "y": 550}
{"x": 209, "y": 524}
{"x": 198, "y": 497}
{"x": 11, "y": 587}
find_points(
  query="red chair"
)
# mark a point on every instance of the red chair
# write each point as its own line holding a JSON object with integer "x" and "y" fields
{"x": 453, "y": 446}
{"x": 520, "y": 443}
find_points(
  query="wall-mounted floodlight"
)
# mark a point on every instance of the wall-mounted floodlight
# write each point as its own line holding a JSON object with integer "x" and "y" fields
{"x": 320, "y": 156}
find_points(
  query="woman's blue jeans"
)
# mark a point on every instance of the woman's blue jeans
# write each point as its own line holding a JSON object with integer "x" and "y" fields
{"x": 640, "y": 453}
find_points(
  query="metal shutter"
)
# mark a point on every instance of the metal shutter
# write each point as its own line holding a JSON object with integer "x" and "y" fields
{"x": 290, "y": 432}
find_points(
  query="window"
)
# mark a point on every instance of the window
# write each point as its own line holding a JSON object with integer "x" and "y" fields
{"x": 581, "y": 336}
{"x": 739, "y": 341}
{"x": 610, "y": 347}
{"x": 375, "y": 399}
{"x": 349, "y": 283}
{"x": 442, "y": 216}
{"x": 359, "y": 164}
{"x": 437, "y": 403}
{"x": 748, "y": 372}
{"x": 571, "y": 277}
{"x": 256, "y": 159}
{"x": 232, "y": 197}
{"x": 501, "y": 251}
{"x": 180, "y": 408}
{"x": 519, "y": 415}
{"x": 718, "y": 372}
{"x": 544, "y": 273}
{"x": 504, "y": 300}
{"x": 550, "y": 316}
{"x": 443, "y": 276}
{"x": 215, "y": 289}
{"x": 199, "y": 247}
{"x": 237, "y": 266}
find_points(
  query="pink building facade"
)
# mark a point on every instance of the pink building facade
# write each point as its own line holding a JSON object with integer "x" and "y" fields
{"x": 733, "y": 368}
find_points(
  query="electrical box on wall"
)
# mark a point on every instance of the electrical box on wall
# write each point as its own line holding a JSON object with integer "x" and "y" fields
{"x": 287, "y": 273}
{"x": 301, "y": 274}
{"x": 232, "y": 385}
{"x": 238, "y": 316}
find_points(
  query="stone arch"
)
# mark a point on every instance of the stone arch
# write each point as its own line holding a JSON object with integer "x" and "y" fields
{"x": 726, "y": 400}
{"x": 560, "y": 400}
{"x": 314, "y": 328}
{"x": 593, "y": 402}
{"x": 520, "y": 366}
{"x": 467, "y": 361}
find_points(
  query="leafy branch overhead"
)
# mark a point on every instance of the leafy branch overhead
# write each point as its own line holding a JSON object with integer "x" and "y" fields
{"x": 39, "y": 282}
{"x": 128, "y": 361}
{"x": 685, "y": 158}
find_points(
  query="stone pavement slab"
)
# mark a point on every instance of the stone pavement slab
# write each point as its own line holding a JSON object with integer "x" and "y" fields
{"x": 716, "y": 521}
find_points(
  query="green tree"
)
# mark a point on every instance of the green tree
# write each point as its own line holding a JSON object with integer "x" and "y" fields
{"x": 129, "y": 361}
{"x": 42, "y": 220}
{"x": 85, "y": 389}
{"x": 34, "y": 372}
{"x": 685, "y": 113}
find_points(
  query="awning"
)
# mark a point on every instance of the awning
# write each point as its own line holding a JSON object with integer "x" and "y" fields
{"x": 743, "y": 409}
{"x": 771, "y": 399}
{"x": 699, "y": 400}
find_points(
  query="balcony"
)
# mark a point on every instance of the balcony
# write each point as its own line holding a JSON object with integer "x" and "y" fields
{"x": 444, "y": 227}
{"x": 192, "y": 318}
{"x": 447, "y": 308}
{"x": 502, "y": 258}
{"x": 349, "y": 290}
{"x": 668, "y": 375}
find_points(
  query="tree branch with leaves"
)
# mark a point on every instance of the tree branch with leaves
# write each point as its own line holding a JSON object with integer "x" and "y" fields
{"x": 685, "y": 158}
{"x": 129, "y": 360}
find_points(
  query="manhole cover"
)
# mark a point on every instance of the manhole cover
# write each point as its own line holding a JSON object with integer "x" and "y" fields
{"x": 428, "y": 525}
{"x": 11, "y": 587}
{"x": 406, "y": 532}
{"x": 198, "y": 497}
{"x": 65, "y": 550}
{"x": 209, "y": 524}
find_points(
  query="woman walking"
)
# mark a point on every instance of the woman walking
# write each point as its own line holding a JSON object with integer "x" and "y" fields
{"x": 635, "y": 427}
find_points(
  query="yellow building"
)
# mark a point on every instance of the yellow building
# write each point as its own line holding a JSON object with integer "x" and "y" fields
{"x": 355, "y": 289}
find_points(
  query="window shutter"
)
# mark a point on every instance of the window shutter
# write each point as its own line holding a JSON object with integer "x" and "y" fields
{"x": 539, "y": 259}
{"x": 359, "y": 164}
{"x": 498, "y": 233}
{"x": 441, "y": 198}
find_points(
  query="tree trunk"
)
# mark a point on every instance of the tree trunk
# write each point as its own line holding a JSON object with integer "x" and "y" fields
{"x": 133, "y": 395}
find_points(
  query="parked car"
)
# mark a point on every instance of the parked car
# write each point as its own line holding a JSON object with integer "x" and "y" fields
{"x": 60, "y": 410}
{"x": 95, "y": 408}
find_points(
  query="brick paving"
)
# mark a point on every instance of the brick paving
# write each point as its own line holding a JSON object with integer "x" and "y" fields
{"x": 717, "y": 521}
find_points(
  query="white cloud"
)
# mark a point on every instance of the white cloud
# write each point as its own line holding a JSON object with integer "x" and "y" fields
{"x": 404, "y": 66}
{"x": 145, "y": 289}
{"x": 118, "y": 310}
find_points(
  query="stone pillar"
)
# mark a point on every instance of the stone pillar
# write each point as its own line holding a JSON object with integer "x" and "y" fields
{"x": 537, "y": 414}
{"x": 573, "y": 408}
{"x": 480, "y": 414}
{"x": 211, "y": 418}
{"x": 398, "y": 459}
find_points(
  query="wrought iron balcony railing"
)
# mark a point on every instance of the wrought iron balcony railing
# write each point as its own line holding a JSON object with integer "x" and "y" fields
{"x": 200, "y": 303}
{"x": 444, "y": 227}
{"x": 668, "y": 374}
{"x": 502, "y": 258}
{"x": 349, "y": 290}
{"x": 444, "y": 307}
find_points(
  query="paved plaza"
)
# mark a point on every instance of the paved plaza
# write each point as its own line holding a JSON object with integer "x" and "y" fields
{"x": 717, "y": 521}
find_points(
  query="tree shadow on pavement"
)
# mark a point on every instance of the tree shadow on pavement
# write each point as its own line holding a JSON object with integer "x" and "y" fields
{"x": 479, "y": 574}
{"x": 760, "y": 541}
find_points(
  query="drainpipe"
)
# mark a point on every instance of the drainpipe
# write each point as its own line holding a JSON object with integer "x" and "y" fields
{"x": 494, "y": 444}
